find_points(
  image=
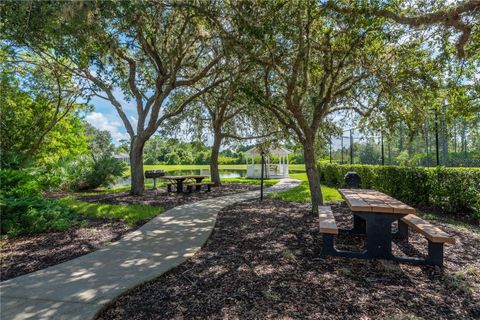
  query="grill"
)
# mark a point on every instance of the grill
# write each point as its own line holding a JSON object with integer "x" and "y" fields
{"x": 154, "y": 174}
{"x": 352, "y": 180}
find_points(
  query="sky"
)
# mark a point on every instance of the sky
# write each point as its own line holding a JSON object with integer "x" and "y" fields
{"x": 105, "y": 117}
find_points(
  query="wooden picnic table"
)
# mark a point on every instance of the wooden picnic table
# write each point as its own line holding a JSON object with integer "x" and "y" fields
{"x": 373, "y": 215}
{"x": 179, "y": 180}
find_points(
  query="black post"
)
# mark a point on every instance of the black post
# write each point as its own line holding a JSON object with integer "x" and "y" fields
{"x": 436, "y": 138}
{"x": 383, "y": 153}
{"x": 351, "y": 146}
{"x": 342, "y": 149}
{"x": 261, "y": 178}
{"x": 389, "y": 153}
{"x": 330, "y": 147}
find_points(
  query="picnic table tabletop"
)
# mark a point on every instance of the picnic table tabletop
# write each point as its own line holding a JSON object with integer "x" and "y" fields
{"x": 185, "y": 177}
{"x": 367, "y": 200}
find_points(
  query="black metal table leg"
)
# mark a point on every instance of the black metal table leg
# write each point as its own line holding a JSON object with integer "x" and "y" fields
{"x": 402, "y": 232}
{"x": 359, "y": 226}
{"x": 379, "y": 233}
{"x": 198, "y": 180}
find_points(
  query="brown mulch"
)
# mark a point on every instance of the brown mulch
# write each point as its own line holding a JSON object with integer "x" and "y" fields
{"x": 27, "y": 254}
{"x": 262, "y": 262}
{"x": 31, "y": 253}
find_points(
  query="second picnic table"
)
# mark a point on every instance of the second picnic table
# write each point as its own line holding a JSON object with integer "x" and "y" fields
{"x": 179, "y": 180}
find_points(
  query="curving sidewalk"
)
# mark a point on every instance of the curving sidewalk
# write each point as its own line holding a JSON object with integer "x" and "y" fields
{"x": 79, "y": 288}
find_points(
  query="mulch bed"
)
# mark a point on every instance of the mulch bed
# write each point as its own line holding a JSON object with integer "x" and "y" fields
{"x": 262, "y": 262}
{"x": 161, "y": 198}
{"x": 27, "y": 254}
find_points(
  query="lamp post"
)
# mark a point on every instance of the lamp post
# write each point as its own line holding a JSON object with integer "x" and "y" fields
{"x": 261, "y": 176}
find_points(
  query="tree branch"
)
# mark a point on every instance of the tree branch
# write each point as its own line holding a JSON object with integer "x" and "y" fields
{"x": 449, "y": 17}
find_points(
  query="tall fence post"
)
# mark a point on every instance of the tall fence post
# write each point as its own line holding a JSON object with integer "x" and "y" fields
{"x": 351, "y": 146}
{"x": 436, "y": 138}
{"x": 383, "y": 151}
{"x": 444, "y": 134}
{"x": 341, "y": 146}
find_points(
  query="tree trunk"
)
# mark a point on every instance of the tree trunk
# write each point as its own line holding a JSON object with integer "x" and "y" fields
{"x": 312, "y": 174}
{"x": 136, "y": 167}
{"x": 214, "y": 172}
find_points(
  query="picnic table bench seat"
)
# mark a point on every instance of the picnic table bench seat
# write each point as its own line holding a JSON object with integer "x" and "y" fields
{"x": 436, "y": 239}
{"x": 327, "y": 220}
{"x": 199, "y": 184}
{"x": 428, "y": 230}
{"x": 329, "y": 229}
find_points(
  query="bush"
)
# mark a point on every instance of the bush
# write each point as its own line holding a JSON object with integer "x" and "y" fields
{"x": 18, "y": 183}
{"x": 31, "y": 215}
{"x": 104, "y": 171}
{"x": 87, "y": 173}
{"x": 453, "y": 190}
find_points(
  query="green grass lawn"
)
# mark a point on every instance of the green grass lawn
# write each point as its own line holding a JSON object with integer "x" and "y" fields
{"x": 267, "y": 182}
{"x": 131, "y": 214}
{"x": 301, "y": 193}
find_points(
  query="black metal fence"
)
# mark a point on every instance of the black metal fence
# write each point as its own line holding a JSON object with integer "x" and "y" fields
{"x": 438, "y": 143}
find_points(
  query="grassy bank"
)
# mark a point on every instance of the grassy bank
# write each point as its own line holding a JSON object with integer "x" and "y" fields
{"x": 131, "y": 213}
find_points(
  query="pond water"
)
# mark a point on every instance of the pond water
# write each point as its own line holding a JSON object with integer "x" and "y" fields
{"x": 230, "y": 173}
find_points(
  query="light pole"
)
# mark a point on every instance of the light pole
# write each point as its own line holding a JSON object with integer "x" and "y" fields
{"x": 261, "y": 176}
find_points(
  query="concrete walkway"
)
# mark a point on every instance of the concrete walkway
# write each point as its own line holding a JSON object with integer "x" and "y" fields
{"x": 79, "y": 288}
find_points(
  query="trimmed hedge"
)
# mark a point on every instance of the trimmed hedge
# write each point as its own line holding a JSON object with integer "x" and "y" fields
{"x": 453, "y": 190}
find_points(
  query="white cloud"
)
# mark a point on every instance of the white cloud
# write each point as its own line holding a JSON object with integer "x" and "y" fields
{"x": 110, "y": 124}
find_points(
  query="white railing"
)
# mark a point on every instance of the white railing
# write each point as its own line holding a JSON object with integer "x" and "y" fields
{"x": 272, "y": 170}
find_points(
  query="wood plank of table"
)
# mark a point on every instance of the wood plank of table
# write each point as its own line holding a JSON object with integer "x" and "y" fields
{"x": 354, "y": 201}
{"x": 376, "y": 201}
{"x": 367, "y": 200}
{"x": 398, "y": 206}
{"x": 173, "y": 177}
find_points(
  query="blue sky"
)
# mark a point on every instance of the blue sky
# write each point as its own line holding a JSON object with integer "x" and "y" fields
{"x": 105, "y": 117}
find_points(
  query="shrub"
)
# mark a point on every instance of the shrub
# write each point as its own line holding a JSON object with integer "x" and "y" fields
{"x": 104, "y": 171}
{"x": 87, "y": 173}
{"x": 18, "y": 183}
{"x": 24, "y": 211}
{"x": 453, "y": 190}
{"x": 30, "y": 215}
